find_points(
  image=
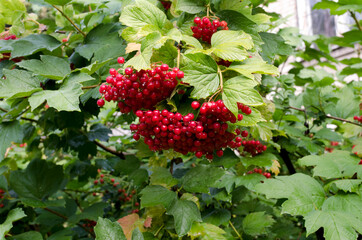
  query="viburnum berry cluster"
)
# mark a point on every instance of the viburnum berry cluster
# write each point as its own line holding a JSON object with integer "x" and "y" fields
{"x": 89, "y": 224}
{"x": 2, "y": 198}
{"x": 260, "y": 171}
{"x": 204, "y": 28}
{"x": 137, "y": 90}
{"x": 166, "y": 5}
{"x": 358, "y": 118}
{"x": 253, "y": 147}
{"x": 205, "y": 135}
{"x": 107, "y": 187}
{"x": 6, "y": 56}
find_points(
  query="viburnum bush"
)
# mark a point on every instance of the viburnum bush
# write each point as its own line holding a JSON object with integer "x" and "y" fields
{"x": 176, "y": 120}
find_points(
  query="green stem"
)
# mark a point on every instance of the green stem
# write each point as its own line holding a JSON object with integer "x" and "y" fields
{"x": 236, "y": 231}
{"x": 70, "y": 20}
{"x": 356, "y": 20}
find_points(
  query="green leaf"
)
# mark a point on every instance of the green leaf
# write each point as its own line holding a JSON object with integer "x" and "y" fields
{"x": 166, "y": 54}
{"x": 274, "y": 44}
{"x": 206, "y": 231}
{"x": 157, "y": 195}
{"x": 141, "y": 61}
{"x": 95, "y": 66}
{"x": 58, "y": 2}
{"x": 27, "y": 235}
{"x": 92, "y": 212}
{"x": 218, "y": 217}
{"x": 191, "y": 41}
{"x": 108, "y": 230}
{"x": 254, "y": 65}
{"x": 18, "y": 83}
{"x": 230, "y": 45}
{"x": 328, "y": 134}
{"x": 9, "y": 132}
{"x": 144, "y": 13}
{"x": 137, "y": 235}
{"x": 201, "y": 71}
{"x": 304, "y": 193}
{"x": 257, "y": 223}
{"x": 249, "y": 181}
{"x": 49, "y": 67}
{"x": 347, "y": 185}
{"x": 162, "y": 176}
{"x": 191, "y": 6}
{"x": 185, "y": 213}
{"x": 262, "y": 160}
{"x": 13, "y": 215}
{"x": 201, "y": 178}
{"x": 39, "y": 180}
{"x": 66, "y": 98}
{"x": 262, "y": 130}
{"x": 100, "y": 132}
{"x": 338, "y": 164}
{"x": 100, "y": 40}
{"x": 348, "y": 203}
{"x": 251, "y": 120}
{"x": 337, "y": 225}
{"x": 234, "y": 91}
{"x": 32, "y": 44}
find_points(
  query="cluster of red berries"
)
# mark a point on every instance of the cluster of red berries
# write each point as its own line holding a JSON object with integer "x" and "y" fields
{"x": 260, "y": 171}
{"x": 358, "y": 118}
{"x": 166, "y": 4}
{"x": 122, "y": 195}
{"x": 253, "y": 147}
{"x": 204, "y": 28}
{"x": 139, "y": 89}
{"x": 330, "y": 149}
{"x": 6, "y": 56}
{"x": 1, "y": 198}
{"x": 89, "y": 224}
{"x": 164, "y": 130}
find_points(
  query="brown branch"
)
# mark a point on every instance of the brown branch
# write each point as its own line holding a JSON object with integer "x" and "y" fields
{"x": 24, "y": 118}
{"x": 331, "y": 117}
{"x": 356, "y": 20}
{"x": 89, "y": 87}
{"x": 70, "y": 20}
{"x": 66, "y": 218}
{"x": 110, "y": 150}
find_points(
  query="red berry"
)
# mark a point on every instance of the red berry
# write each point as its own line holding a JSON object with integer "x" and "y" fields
{"x": 240, "y": 117}
{"x": 136, "y": 136}
{"x": 95, "y": 182}
{"x": 198, "y": 154}
{"x": 195, "y": 105}
{"x": 120, "y": 60}
{"x": 244, "y": 133}
{"x": 180, "y": 74}
{"x": 137, "y": 204}
{"x": 102, "y": 180}
{"x": 220, "y": 153}
{"x": 112, "y": 180}
{"x": 197, "y": 20}
{"x": 113, "y": 72}
{"x": 128, "y": 71}
{"x": 164, "y": 67}
{"x": 100, "y": 102}
{"x": 64, "y": 40}
{"x": 102, "y": 175}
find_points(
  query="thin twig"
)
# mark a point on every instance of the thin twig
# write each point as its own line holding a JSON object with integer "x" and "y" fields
{"x": 110, "y": 150}
{"x": 236, "y": 231}
{"x": 23, "y": 118}
{"x": 70, "y": 20}
{"x": 331, "y": 117}
{"x": 89, "y": 87}
{"x": 356, "y": 20}
{"x": 66, "y": 218}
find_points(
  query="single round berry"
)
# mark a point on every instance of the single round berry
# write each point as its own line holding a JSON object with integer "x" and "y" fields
{"x": 128, "y": 71}
{"x": 120, "y": 60}
{"x": 197, "y": 20}
{"x": 180, "y": 74}
{"x": 195, "y": 105}
{"x": 113, "y": 72}
{"x": 220, "y": 153}
{"x": 100, "y": 102}
{"x": 164, "y": 67}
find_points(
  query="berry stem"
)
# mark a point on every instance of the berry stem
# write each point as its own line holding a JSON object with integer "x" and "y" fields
{"x": 208, "y": 11}
{"x": 221, "y": 79}
{"x": 92, "y": 86}
{"x": 331, "y": 117}
{"x": 23, "y": 118}
{"x": 178, "y": 55}
{"x": 70, "y": 20}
